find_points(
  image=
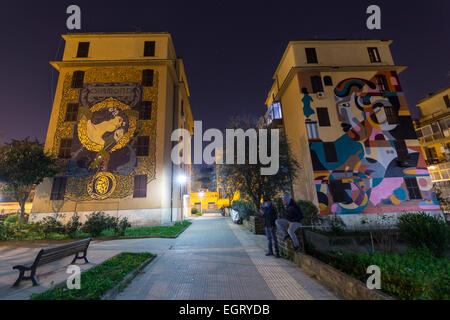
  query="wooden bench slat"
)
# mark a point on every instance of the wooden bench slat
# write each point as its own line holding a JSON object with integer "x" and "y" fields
{"x": 52, "y": 254}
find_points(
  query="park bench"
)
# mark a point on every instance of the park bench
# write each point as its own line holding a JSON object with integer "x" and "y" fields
{"x": 52, "y": 254}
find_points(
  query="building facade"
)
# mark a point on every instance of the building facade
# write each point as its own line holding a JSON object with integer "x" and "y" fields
{"x": 433, "y": 132}
{"x": 345, "y": 116}
{"x": 119, "y": 97}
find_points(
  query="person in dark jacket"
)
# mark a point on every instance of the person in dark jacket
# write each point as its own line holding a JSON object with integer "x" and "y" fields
{"x": 269, "y": 216}
{"x": 291, "y": 223}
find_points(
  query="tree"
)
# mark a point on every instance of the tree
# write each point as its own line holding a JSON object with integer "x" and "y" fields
{"x": 247, "y": 178}
{"x": 204, "y": 177}
{"x": 23, "y": 165}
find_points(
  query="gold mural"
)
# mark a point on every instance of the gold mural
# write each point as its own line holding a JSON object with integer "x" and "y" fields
{"x": 102, "y": 184}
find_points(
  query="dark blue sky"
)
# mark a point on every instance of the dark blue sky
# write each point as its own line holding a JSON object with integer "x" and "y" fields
{"x": 230, "y": 48}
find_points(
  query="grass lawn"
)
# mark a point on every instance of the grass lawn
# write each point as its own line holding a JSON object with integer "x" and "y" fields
{"x": 157, "y": 231}
{"x": 99, "y": 279}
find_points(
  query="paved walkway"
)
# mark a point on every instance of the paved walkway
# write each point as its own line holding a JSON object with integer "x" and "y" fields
{"x": 216, "y": 259}
{"x": 212, "y": 259}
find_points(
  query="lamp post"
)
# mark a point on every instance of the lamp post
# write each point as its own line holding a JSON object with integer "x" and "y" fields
{"x": 201, "y": 194}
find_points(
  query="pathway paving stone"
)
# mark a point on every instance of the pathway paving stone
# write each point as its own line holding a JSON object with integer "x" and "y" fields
{"x": 216, "y": 259}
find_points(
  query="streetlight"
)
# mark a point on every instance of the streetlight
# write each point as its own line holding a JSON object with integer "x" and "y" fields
{"x": 201, "y": 194}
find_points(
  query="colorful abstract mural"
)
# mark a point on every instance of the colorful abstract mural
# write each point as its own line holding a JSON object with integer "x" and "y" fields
{"x": 373, "y": 164}
{"x": 103, "y": 159}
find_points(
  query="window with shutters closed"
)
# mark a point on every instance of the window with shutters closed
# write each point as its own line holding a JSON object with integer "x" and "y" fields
{"x": 338, "y": 191}
{"x": 316, "y": 83}
{"x": 65, "y": 148}
{"x": 140, "y": 186}
{"x": 413, "y": 188}
{"x": 330, "y": 152}
{"x": 77, "y": 79}
{"x": 311, "y": 55}
{"x": 72, "y": 112}
{"x": 83, "y": 50}
{"x": 402, "y": 150}
{"x": 327, "y": 81}
{"x": 58, "y": 188}
{"x": 391, "y": 115}
{"x": 141, "y": 146}
{"x": 145, "y": 111}
{"x": 447, "y": 101}
{"x": 147, "y": 78}
{"x": 149, "y": 49}
{"x": 323, "y": 117}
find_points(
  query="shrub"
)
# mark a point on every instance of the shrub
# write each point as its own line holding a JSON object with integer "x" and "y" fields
{"x": 71, "y": 228}
{"x": 245, "y": 208}
{"x": 12, "y": 218}
{"x": 414, "y": 274}
{"x": 120, "y": 226}
{"x": 310, "y": 213}
{"x": 194, "y": 210}
{"x": 7, "y": 231}
{"x": 96, "y": 223}
{"x": 421, "y": 230}
{"x": 50, "y": 225}
{"x": 279, "y": 207}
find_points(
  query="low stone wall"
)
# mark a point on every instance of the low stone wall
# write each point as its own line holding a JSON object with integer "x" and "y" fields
{"x": 255, "y": 224}
{"x": 341, "y": 284}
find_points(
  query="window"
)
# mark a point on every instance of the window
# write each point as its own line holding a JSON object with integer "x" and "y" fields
{"x": 374, "y": 55}
{"x": 65, "y": 148}
{"x": 322, "y": 115}
{"x": 391, "y": 115}
{"x": 142, "y": 146}
{"x": 316, "y": 83}
{"x": 149, "y": 49}
{"x": 402, "y": 151}
{"x": 382, "y": 82}
{"x": 311, "y": 129}
{"x": 140, "y": 186}
{"x": 77, "y": 79}
{"x": 58, "y": 188}
{"x": 338, "y": 190}
{"x": 330, "y": 152}
{"x": 274, "y": 112}
{"x": 147, "y": 78}
{"x": 83, "y": 49}
{"x": 431, "y": 153}
{"x": 182, "y": 108}
{"x": 447, "y": 101}
{"x": 145, "y": 111}
{"x": 395, "y": 102}
{"x": 413, "y": 188}
{"x": 72, "y": 112}
{"x": 311, "y": 55}
{"x": 327, "y": 81}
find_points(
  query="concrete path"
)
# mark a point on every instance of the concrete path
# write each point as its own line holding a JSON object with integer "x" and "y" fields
{"x": 216, "y": 259}
{"x": 55, "y": 272}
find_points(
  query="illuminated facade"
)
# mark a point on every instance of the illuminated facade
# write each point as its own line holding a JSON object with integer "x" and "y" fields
{"x": 348, "y": 124}
{"x": 433, "y": 131}
{"x": 118, "y": 99}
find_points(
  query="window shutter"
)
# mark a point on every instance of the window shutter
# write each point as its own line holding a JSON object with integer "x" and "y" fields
{"x": 77, "y": 79}
{"x": 147, "y": 78}
{"x": 311, "y": 55}
{"x": 323, "y": 117}
{"x": 145, "y": 111}
{"x": 330, "y": 152}
{"x": 83, "y": 49}
{"x": 149, "y": 49}
{"x": 140, "y": 186}
{"x": 58, "y": 188}
{"x": 316, "y": 83}
{"x": 413, "y": 188}
{"x": 402, "y": 151}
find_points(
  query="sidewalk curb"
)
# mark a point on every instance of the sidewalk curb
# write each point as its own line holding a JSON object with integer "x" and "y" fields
{"x": 112, "y": 293}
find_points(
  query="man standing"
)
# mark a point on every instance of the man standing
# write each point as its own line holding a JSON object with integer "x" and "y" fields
{"x": 269, "y": 216}
{"x": 292, "y": 222}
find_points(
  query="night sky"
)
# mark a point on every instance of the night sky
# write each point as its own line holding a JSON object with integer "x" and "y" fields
{"x": 230, "y": 48}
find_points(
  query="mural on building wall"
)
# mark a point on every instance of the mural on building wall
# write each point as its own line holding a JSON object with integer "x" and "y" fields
{"x": 364, "y": 161}
{"x": 103, "y": 158}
